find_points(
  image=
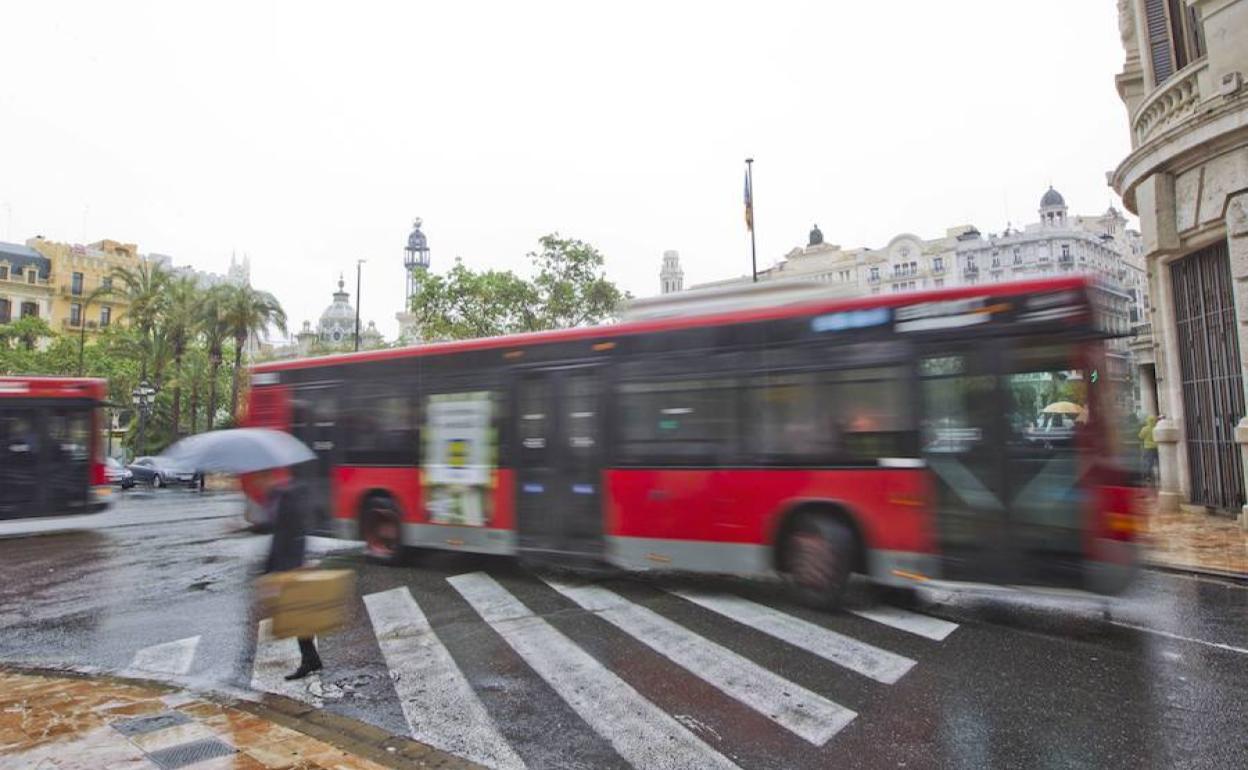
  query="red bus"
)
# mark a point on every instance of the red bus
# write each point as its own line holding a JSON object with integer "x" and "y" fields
{"x": 51, "y": 458}
{"x": 961, "y": 434}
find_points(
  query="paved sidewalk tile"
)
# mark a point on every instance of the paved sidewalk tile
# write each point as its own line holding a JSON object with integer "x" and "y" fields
{"x": 68, "y": 723}
{"x": 1198, "y": 541}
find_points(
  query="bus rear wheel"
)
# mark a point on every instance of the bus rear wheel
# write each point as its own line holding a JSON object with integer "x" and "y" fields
{"x": 381, "y": 528}
{"x": 819, "y": 557}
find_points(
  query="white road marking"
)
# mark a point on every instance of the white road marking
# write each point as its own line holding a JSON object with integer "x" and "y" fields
{"x": 880, "y": 665}
{"x": 275, "y": 658}
{"x": 809, "y": 715}
{"x": 640, "y": 732}
{"x": 1181, "y": 638}
{"x": 174, "y": 658}
{"x": 440, "y": 706}
{"x": 912, "y": 622}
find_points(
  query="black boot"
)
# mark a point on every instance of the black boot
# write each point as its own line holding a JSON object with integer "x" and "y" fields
{"x": 311, "y": 660}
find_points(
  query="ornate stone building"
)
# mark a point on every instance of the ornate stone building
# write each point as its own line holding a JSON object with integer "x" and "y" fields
{"x": 415, "y": 267}
{"x": 1187, "y": 179}
{"x": 671, "y": 276}
{"x": 25, "y": 283}
{"x": 335, "y": 329}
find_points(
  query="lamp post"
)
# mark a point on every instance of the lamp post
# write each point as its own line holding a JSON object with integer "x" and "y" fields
{"x": 142, "y": 398}
{"x": 358, "y": 263}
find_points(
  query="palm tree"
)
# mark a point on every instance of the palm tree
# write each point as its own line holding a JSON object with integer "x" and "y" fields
{"x": 248, "y": 312}
{"x": 196, "y": 372}
{"x": 180, "y": 317}
{"x": 212, "y": 327}
{"x": 144, "y": 290}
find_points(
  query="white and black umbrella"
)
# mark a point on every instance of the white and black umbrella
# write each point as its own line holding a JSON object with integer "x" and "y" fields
{"x": 239, "y": 450}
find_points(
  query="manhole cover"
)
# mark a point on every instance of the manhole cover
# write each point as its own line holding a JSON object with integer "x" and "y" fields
{"x": 147, "y": 724}
{"x": 190, "y": 753}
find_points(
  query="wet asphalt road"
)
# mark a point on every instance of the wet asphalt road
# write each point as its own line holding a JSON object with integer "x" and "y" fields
{"x": 1018, "y": 681}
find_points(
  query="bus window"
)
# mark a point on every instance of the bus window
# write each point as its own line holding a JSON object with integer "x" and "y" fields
{"x": 685, "y": 421}
{"x": 850, "y": 416}
{"x": 382, "y": 427}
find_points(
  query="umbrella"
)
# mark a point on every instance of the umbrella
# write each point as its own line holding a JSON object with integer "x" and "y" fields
{"x": 1062, "y": 407}
{"x": 239, "y": 450}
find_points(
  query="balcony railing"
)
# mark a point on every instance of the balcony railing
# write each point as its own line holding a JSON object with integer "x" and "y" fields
{"x": 1173, "y": 103}
{"x": 23, "y": 280}
{"x": 69, "y": 323}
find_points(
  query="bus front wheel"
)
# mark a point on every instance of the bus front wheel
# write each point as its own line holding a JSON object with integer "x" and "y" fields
{"x": 819, "y": 557}
{"x": 381, "y": 528}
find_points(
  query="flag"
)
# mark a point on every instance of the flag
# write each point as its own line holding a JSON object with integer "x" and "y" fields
{"x": 749, "y": 203}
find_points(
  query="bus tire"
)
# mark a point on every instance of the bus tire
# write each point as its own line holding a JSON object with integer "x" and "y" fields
{"x": 381, "y": 528}
{"x": 819, "y": 558}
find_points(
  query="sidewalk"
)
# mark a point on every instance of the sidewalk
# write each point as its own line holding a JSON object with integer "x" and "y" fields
{"x": 62, "y": 721}
{"x": 1199, "y": 542}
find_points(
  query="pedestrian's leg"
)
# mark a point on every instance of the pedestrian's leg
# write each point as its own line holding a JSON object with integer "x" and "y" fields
{"x": 309, "y": 661}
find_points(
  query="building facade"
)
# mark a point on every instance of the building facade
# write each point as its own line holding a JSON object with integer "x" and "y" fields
{"x": 334, "y": 330}
{"x": 1187, "y": 178}
{"x": 239, "y": 273}
{"x": 79, "y": 274}
{"x": 25, "y": 283}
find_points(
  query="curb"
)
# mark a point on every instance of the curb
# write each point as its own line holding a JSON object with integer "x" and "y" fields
{"x": 350, "y": 735}
{"x": 1181, "y": 569}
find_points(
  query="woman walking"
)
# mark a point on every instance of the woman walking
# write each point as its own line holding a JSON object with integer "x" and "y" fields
{"x": 286, "y": 502}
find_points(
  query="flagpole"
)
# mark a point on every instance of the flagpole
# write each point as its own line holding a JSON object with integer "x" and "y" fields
{"x": 749, "y": 175}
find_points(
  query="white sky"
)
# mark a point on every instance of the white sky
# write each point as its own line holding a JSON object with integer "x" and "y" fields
{"x": 308, "y": 135}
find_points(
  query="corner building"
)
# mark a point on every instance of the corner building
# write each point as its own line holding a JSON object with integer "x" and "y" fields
{"x": 1183, "y": 84}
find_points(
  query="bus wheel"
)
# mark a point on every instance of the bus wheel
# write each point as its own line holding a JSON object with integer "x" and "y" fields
{"x": 380, "y": 528}
{"x": 819, "y": 556}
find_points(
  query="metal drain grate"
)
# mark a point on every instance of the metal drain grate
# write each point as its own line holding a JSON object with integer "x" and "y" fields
{"x": 147, "y": 724}
{"x": 190, "y": 753}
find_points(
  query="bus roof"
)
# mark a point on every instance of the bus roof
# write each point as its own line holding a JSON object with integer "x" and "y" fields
{"x": 22, "y": 386}
{"x": 832, "y": 304}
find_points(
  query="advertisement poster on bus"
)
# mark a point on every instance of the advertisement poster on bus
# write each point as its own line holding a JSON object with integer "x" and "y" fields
{"x": 460, "y": 452}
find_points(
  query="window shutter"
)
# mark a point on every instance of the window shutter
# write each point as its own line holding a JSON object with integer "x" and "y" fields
{"x": 1159, "y": 44}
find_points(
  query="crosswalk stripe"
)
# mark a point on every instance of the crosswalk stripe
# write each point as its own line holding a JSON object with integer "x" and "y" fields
{"x": 639, "y": 731}
{"x": 863, "y": 658}
{"x": 173, "y": 658}
{"x": 439, "y": 704}
{"x": 912, "y": 622}
{"x": 275, "y": 658}
{"x": 809, "y": 715}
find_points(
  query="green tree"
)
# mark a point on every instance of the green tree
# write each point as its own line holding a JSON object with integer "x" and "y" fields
{"x": 215, "y": 332}
{"x": 573, "y": 289}
{"x": 569, "y": 289}
{"x": 180, "y": 317}
{"x": 246, "y": 313}
{"x": 144, "y": 290}
{"x": 26, "y": 331}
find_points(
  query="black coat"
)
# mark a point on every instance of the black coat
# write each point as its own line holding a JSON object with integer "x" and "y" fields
{"x": 288, "y": 548}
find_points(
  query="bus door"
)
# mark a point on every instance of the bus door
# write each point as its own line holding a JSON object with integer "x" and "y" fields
{"x": 559, "y": 417}
{"x": 314, "y": 421}
{"x": 66, "y": 458}
{"x": 1045, "y": 411}
{"x": 20, "y": 439}
{"x": 963, "y": 447}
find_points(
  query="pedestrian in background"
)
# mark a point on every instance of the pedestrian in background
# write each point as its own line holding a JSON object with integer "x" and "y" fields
{"x": 1148, "y": 445}
{"x": 286, "y": 501}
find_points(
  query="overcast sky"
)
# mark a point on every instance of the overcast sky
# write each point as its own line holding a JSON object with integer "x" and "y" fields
{"x": 309, "y": 135}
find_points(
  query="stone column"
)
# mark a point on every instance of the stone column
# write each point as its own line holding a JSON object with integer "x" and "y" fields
{"x": 1237, "y": 248}
{"x": 1169, "y": 492}
{"x": 1148, "y": 389}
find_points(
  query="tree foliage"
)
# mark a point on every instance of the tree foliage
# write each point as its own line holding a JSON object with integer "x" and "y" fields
{"x": 569, "y": 288}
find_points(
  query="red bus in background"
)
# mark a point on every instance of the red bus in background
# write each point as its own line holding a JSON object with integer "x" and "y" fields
{"x": 51, "y": 454}
{"x": 961, "y": 434}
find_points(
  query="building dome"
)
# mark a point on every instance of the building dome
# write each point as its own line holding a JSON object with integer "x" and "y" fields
{"x": 338, "y": 320}
{"x": 1052, "y": 198}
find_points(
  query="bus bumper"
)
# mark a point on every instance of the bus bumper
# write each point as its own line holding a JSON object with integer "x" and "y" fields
{"x": 1116, "y": 569}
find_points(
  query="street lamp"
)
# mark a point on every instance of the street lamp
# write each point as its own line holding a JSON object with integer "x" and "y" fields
{"x": 142, "y": 397}
{"x": 358, "y": 263}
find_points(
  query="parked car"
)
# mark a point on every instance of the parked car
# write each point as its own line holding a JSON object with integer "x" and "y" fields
{"x": 118, "y": 474}
{"x": 158, "y": 472}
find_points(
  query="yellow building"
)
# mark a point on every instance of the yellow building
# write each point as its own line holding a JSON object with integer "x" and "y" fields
{"x": 79, "y": 270}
